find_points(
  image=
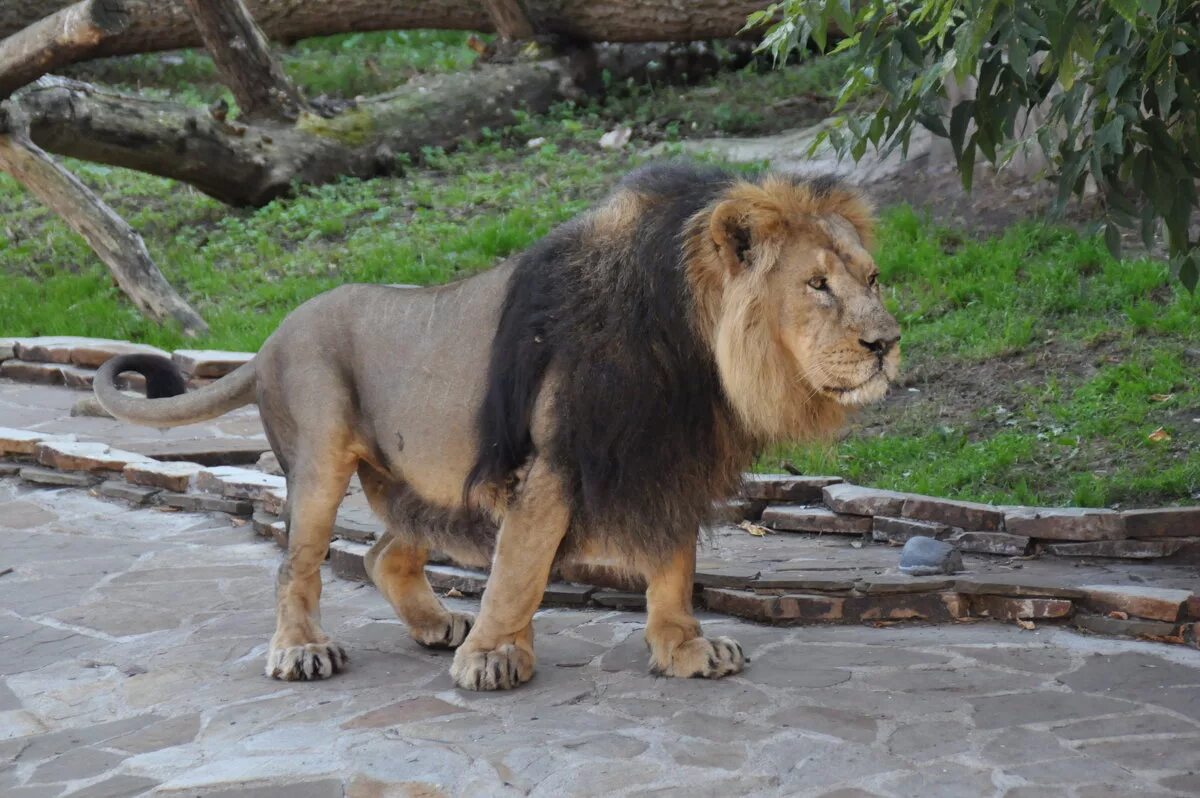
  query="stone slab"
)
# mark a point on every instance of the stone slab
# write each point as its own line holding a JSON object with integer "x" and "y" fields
{"x": 49, "y": 348}
{"x": 9, "y": 468}
{"x": 134, "y": 494}
{"x": 207, "y": 503}
{"x": 1163, "y": 522}
{"x": 273, "y": 500}
{"x": 857, "y": 500}
{"x": 267, "y": 525}
{"x": 449, "y": 577}
{"x": 1065, "y": 523}
{"x": 727, "y": 576}
{"x": 942, "y": 607}
{"x": 172, "y": 476}
{"x": 965, "y": 515}
{"x": 567, "y": 593}
{"x": 7, "y": 348}
{"x": 94, "y": 355}
{"x": 37, "y": 373}
{"x": 50, "y": 476}
{"x": 791, "y": 580}
{"x": 903, "y": 584}
{"x": 1007, "y": 608}
{"x": 741, "y": 604}
{"x": 206, "y": 451}
{"x": 83, "y": 456}
{"x": 346, "y": 560}
{"x": 1117, "y": 627}
{"x": 886, "y": 529}
{"x": 814, "y": 519}
{"x": 990, "y": 543}
{"x": 1139, "y": 601}
{"x": 233, "y": 482}
{"x": 209, "y": 362}
{"x": 23, "y": 442}
{"x": 620, "y": 599}
{"x": 785, "y": 487}
{"x": 1017, "y": 585}
{"x": 1121, "y": 549}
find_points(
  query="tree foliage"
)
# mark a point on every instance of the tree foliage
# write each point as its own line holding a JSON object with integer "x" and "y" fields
{"x": 1118, "y": 82}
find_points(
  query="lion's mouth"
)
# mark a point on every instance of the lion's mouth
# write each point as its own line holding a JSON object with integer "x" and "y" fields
{"x": 869, "y": 390}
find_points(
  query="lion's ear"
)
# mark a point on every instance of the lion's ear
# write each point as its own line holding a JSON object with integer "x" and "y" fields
{"x": 729, "y": 227}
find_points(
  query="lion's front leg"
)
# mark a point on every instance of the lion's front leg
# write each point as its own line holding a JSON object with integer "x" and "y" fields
{"x": 498, "y": 653}
{"x": 677, "y": 647}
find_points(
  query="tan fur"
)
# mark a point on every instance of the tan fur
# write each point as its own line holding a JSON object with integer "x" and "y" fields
{"x": 388, "y": 381}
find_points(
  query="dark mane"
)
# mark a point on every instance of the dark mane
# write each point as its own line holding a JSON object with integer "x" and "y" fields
{"x": 644, "y": 433}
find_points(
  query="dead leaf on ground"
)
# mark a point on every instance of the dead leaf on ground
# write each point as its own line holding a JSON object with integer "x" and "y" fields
{"x": 1026, "y": 625}
{"x": 453, "y": 593}
{"x": 1118, "y": 615}
{"x": 1159, "y": 435}
{"x": 754, "y": 529}
{"x": 1161, "y": 397}
{"x": 240, "y": 521}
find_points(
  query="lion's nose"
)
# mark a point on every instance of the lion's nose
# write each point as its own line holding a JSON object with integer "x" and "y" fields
{"x": 881, "y": 345}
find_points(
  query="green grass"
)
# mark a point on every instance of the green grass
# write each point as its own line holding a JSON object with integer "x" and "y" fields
{"x": 1035, "y": 365}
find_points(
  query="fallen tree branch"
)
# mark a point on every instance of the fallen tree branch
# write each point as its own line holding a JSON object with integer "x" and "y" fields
{"x": 509, "y": 19}
{"x": 245, "y": 62}
{"x": 121, "y": 249}
{"x": 69, "y": 35}
{"x": 155, "y": 25}
{"x": 252, "y": 164}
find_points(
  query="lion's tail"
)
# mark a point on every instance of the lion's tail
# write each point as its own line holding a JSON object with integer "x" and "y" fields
{"x": 167, "y": 404}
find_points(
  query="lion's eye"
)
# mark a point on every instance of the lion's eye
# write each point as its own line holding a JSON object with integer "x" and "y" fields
{"x": 819, "y": 283}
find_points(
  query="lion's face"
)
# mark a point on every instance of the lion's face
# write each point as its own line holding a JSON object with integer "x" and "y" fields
{"x": 831, "y": 316}
{"x": 800, "y": 330}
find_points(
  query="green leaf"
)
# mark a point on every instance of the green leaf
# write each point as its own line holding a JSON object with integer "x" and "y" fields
{"x": 910, "y": 46}
{"x": 960, "y": 118}
{"x": 1109, "y": 136}
{"x": 1189, "y": 273}
{"x": 1127, "y": 9}
{"x": 1112, "y": 240}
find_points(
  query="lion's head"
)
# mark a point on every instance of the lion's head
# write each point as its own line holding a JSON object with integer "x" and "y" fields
{"x": 792, "y": 301}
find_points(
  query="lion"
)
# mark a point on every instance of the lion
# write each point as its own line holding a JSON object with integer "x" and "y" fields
{"x": 587, "y": 401}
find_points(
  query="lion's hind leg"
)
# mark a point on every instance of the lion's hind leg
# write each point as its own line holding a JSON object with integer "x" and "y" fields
{"x": 397, "y": 567}
{"x": 677, "y": 647}
{"x": 300, "y": 649}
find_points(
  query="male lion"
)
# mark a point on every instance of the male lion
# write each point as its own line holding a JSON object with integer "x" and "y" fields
{"x": 584, "y": 402}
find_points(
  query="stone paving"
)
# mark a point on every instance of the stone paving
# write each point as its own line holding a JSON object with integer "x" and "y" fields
{"x": 131, "y": 646}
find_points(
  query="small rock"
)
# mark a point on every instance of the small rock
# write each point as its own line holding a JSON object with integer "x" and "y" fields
{"x": 923, "y": 556}
{"x": 534, "y": 143}
{"x": 616, "y": 138}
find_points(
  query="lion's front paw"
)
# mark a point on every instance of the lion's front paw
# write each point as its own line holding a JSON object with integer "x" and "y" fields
{"x": 307, "y": 662}
{"x": 449, "y": 634}
{"x": 704, "y": 658}
{"x": 501, "y": 668}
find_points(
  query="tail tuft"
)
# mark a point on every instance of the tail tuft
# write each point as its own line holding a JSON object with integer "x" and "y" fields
{"x": 163, "y": 377}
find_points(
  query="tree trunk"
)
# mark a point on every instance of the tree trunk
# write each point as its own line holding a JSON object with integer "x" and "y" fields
{"x": 69, "y": 35}
{"x": 166, "y": 25}
{"x": 121, "y": 249}
{"x": 509, "y": 20}
{"x": 245, "y": 61}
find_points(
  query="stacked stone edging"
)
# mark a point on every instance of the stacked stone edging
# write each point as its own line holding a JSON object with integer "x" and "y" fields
{"x": 829, "y": 505}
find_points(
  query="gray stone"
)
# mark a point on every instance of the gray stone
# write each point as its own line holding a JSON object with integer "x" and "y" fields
{"x": 267, "y": 525}
{"x": 356, "y": 531}
{"x": 964, "y": 515}
{"x": 1124, "y": 549}
{"x": 207, "y": 503}
{"x": 25, "y": 515}
{"x": 324, "y": 788}
{"x": 82, "y": 763}
{"x": 929, "y": 740}
{"x": 990, "y": 543}
{"x": 234, "y": 482}
{"x": 268, "y": 463}
{"x": 37, "y": 373}
{"x": 785, "y": 487}
{"x": 205, "y": 451}
{"x": 1064, "y": 523}
{"x": 791, "y": 580}
{"x": 449, "y": 577}
{"x": 23, "y": 442}
{"x": 857, "y": 500}
{"x": 831, "y": 721}
{"x": 899, "y": 530}
{"x": 83, "y": 456}
{"x": 172, "y": 476}
{"x": 9, "y": 468}
{"x": 1016, "y": 585}
{"x": 209, "y": 362}
{"x": 1009, "y": 608}
{"x": 925, "y": 556}
{"x": 50, "y": 476}
{"x": 619, "y": 599}
{"x": 121, "y": 786}
{"x": 567, "y": 593}
{"x": 1040, "y": 706}
{"x": 1153, "y": 603}
{"x": 1163, "y": 522}
{"x": 814, "y": 519}
{"x": 902, "y": 584}
{"x": 1123, "y": 726}
{"x": 134, "y": 494}
{"x": 346, "y": 560}
{"x": 1120, "y": 627}
{"x": 726, "y": 576}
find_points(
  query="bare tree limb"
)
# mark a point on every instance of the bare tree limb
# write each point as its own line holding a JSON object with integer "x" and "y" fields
{"x": 69, "y": 35}
{"x": 509, "y": 19}
{"x": 245, "y": 61}
{"x": 121, "y": 249}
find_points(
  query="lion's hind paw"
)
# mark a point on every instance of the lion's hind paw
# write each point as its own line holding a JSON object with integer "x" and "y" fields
{"x": 450, "y": 634}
